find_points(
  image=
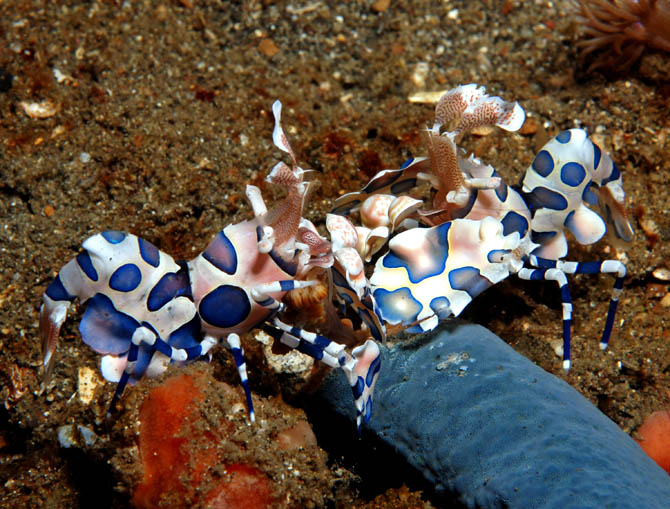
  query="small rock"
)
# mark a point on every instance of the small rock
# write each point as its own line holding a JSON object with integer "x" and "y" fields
{"x": 87, "y": 382}
{"x": 381, "y": 5}
{"x": 419, "y": 74}
{"x": 75, "y": 436}
{"x": 57, "y": 131}
{"x": 268, "y": 48}
{"x": 426, "y": 97}
{"x": 530, "y": 126}
{"x": 662, "y": 274}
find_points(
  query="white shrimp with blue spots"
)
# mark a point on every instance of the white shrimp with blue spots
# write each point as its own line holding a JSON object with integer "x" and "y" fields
{"x": 432, "y": 273}
{"x": 144, "y": 310}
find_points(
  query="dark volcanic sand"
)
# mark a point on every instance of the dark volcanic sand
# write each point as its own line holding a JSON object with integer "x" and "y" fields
{"x": 165, "y": 116}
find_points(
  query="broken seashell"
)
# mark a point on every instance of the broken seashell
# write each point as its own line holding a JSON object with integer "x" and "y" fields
{"x": 44, "y": 109}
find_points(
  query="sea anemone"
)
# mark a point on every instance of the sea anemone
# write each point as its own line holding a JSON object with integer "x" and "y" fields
{"x": 620, "y": 30}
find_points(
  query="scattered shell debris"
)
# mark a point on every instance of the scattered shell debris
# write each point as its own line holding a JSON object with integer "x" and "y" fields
{"x": 87, "y": 382}
{"x": 425, "y": 97}
{"x": 62, "y": 77}
{"x": 75, "y": 436}
{"x": 20, "y": 379}
{"x": 44, "y": 109}
{"x": 304, "y": 9}
{"x": 292, "y": 362}
{"x": 419, "y": 74}
{"x": 58, "y": 131}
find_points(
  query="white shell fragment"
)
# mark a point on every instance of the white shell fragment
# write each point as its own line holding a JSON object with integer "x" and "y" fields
{"x": 79, "y": 436}
{"x": 61, "y": 77}
{"x": 419, "y": 74}
{"x": 426, "y": 97}
{"x": 293, "y": 362}
{"x": 44, "y": 109}
{"x": 87, "y": 382}
{"x": 662, "y": 274}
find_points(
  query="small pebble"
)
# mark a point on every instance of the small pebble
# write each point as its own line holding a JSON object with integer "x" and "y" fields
{"x": 58, "y": 130}
{"x": 662, "y": 274}
{"x": 61, "y": 77}
{"x": 87, "y": 382}
{"x": 268, "y": 48}
{"x": 426, "y": 97}
{"x": 530, "y": 126}
{"x": 381, "y": 5}
{"x": 49, "y": 211}
{"x": 68, "y": 436}
{"x": 419, "y": 74}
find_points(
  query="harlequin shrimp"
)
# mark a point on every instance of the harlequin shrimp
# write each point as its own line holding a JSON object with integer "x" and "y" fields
{"x": 479, "y": 230}
{"x": 145, "y": 310}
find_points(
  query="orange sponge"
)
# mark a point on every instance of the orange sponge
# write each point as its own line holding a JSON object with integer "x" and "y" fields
{"x": 177, "y": 460}
{"x": 654, "y": 438}
{"x": 161, "y": 417}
